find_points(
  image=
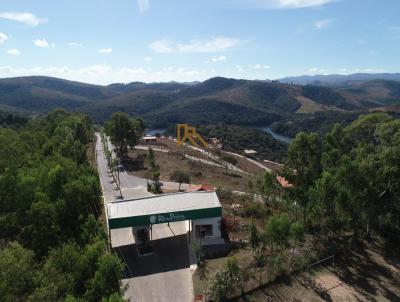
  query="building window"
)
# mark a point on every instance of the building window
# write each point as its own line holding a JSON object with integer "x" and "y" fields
{"x": 202, "y": 231}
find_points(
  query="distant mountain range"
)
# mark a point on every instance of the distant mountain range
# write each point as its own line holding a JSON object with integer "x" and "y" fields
{"x": 338, "y": 79}
{"x": 217, "y": 100}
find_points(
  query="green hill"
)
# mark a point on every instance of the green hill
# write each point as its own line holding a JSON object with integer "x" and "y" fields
{"x": 217, "y": 100}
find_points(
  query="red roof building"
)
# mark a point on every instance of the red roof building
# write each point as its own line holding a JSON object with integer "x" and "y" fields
{"x": 197, "y": 188}
{"x": 283, "y": 182}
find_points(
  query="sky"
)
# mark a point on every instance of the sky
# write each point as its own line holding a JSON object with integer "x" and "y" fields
{"x": 108, "y": 41}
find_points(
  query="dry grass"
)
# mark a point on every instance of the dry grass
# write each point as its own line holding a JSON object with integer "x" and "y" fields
{"x": 246, "y": 165}
{"x": 200, "y": 173}
{"x": 308, "y": 105}
{"x": 370, "y": 272}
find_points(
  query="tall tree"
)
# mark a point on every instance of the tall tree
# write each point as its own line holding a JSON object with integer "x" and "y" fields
{"x": 18, "y": 271}
{"x": 123, "y": 131}
{"x": 303, "y": 166}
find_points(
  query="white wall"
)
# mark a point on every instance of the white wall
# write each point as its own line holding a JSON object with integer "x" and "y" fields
{"x": 216, "y": 237}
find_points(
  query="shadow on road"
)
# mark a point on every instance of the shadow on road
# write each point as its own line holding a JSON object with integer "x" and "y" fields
{"x": 169, "y": 254}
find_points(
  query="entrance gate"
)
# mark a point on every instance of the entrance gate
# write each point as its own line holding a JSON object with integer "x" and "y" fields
{"x": 197, "y": 207}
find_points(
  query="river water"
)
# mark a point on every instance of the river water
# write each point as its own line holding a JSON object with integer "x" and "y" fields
{"x": 152, "y": 132}
{"x": 277, "y": 136}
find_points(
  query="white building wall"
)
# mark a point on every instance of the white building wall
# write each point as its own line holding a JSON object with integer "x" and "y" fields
{"x": 215, "y": 238}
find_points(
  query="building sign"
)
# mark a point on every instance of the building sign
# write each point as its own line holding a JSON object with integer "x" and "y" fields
{"x": 164, "y": 218}
{"x": 141, "y": 220}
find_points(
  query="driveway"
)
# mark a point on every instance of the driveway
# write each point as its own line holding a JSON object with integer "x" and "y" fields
{"x": 163, "y": 275}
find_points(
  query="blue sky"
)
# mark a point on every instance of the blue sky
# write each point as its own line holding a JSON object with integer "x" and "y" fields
{"x": 105, "y": 41}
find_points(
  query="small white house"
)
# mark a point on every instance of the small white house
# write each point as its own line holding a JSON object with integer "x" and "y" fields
{"x": 149, "y": 139}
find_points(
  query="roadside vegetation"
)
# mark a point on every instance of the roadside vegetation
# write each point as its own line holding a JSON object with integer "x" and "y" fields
{"x": 345, "y": 195}
{"x": 123, "y": 131}
{"x": 52, "y": 245}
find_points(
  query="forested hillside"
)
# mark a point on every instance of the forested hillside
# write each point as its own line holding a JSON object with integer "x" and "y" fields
{"x": 52, "y": 246}
{"x": 216, "y": 100}
{"x": 334, "y": 230}
{"x": 12, "y": 119}
{"x": 349, "y": 180}
{"x": 291, "y": 108}
{"x": 320, "y": 122}
{"x": 43, "y": 94}
{"x": 237, "y": 139}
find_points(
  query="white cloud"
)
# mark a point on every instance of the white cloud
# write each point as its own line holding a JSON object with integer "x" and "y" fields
{"x": 369, "y": 70}
{"x": 195, "y": 46}
{"x": 316, "y": 70}
{"x": 320, "y": 24}
{"x": 393, "y": 31}
{"x": 3, "y": 38}
{"x": 74, "y": 44}
{"x": 105, "y": 50}
{"x": 239, "y": 68}
{"x": 105, "y": 74}
{"x": 14, "y": 52}
{"x": 41, "y": 43}
{"x": 361, "y": 42}
{"x": 259, "y": 66}
{"x": 144, "y": 5}
{"x": 148, "y": 58}
{"x": 219, "y": 59}
{"x": 282, "y": 4}
{"x": 26, "y": 18}
{"x": 346, "y": 71}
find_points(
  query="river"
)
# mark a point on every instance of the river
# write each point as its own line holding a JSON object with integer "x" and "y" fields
{"x": 275, "y": 135}
{"x": 152, "y": 132}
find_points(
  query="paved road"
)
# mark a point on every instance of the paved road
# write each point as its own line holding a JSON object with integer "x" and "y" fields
{"x": 250, "y": 160}
{"x": 218, "y": 159}
{"x": 162, "y": 276}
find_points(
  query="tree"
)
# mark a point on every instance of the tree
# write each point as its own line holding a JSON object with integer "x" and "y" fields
{"x": 180, "y": 177}
{"x": 106, "y": 279}
{"x": 42, "y": 231}
{"x": 296, "y": 236}
{"x": 254, "y": 236}
{"x": 303, "y": 166}
{"x": 278, "y": 230}
{"x": 227, "y": 280}
{"x": 115, "y": 167}
{"x": 155, "y": 187}
{"x": 92, "y": 231}
{"x": 123, "y": 131}
{"x": 49, "y": 195}
{"x": 18, "y": 269}
{"x": 267, "y": 184}
{"x": 61, "y": 274}
{"x": 218, "y": 286}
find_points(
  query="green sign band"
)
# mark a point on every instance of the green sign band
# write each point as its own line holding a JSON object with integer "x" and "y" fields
{"x": 126, "y": 222}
